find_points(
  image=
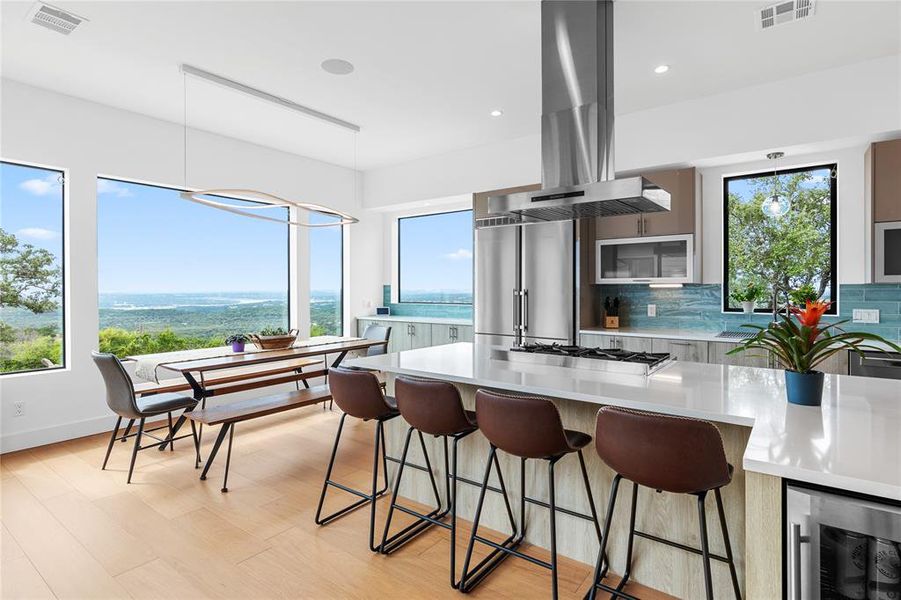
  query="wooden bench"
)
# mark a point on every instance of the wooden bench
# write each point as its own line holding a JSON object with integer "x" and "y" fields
{"x": 227, "y": 415}
{"x": 181, "y": 385}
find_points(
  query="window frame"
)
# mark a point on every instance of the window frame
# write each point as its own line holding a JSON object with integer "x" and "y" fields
{"x": 400, "y": 299}
{"x": 341, "y": 319}
{"x": 290, "y": 255}
{"x": 833, "y": 231}
{"x": 63, "y": 271}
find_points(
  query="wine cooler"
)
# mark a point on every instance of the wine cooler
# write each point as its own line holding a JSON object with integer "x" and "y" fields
{"x": 841, "y": 547}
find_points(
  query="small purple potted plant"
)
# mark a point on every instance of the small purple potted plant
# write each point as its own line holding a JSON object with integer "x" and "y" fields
{"x": 237, "y": 341}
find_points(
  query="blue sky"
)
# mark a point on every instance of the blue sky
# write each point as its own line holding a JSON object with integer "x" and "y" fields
{"x": 436, "y": 252}
{"x": 31, "y": 206}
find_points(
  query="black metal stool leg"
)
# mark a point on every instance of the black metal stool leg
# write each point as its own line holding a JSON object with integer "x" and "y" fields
{"x": 600, "y": 568}
{"x": 591, "y": 506}
{"x": 722, "y": 514}
{"x": 631, "y": 540}
{"x": 705, "y": 551}
{"x": 134, "y": 452}
{"x": 400, "y": 472}
{"x": 452, "y": 504}
{"x": 476, "y": 518}
{"x": 552, "y": 518}
{"x": 379, "y": 430}
{"x": 171, "y": 433}
{"x": 112, "y": 440}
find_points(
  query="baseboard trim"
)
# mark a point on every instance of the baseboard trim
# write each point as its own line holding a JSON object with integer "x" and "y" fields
{"x": 23, "y": 440}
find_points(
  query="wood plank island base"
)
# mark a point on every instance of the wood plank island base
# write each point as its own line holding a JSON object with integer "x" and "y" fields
{"x": 768, "y": 441}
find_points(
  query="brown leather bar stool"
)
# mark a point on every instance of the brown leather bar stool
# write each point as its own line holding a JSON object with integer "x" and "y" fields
{"x": 358, "y": 394}
{"x": 432, "y": 408}
{"x": 664, "y": 453}
{"x": 528, "y": 427}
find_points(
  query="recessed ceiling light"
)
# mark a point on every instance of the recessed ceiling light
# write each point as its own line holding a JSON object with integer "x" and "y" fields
{"x": 337, "y": 66}
{"x": 661, "y": 69}
{"x": 496, "y": 113}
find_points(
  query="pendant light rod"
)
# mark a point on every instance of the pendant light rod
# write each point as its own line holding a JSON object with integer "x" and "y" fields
{"x": 266, "y": 96}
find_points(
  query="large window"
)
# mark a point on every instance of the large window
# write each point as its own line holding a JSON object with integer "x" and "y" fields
{"x": 784, "y": 253}
{"x": 326, "y": 276}
{"x": 178, "y": 275}
{"x": 31, "y": 268}
{"x": 435, "y": 258}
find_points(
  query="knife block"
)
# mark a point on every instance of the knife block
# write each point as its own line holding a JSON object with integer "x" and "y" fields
{"x": 611, "y": 322}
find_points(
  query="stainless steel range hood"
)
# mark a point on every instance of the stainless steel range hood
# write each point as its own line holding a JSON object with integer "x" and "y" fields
{"x": 578, "y": 178}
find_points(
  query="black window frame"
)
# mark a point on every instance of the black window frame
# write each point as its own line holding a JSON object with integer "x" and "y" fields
{"x": 181, "y": 190}
{"x": 63, "y": 352}
{"x": 341, "y": 295}
{"x": 400, "y": 299}
{"x": 833, "y": 233}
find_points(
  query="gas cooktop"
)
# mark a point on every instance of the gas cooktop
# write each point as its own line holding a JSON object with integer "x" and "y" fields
{"x": 599, "y": 359}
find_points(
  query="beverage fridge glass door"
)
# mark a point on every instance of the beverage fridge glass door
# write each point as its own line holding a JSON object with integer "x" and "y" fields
{"x": 496, "y": 280}
{"x": 548, "y": 281}
{"x": 841, "y": 547}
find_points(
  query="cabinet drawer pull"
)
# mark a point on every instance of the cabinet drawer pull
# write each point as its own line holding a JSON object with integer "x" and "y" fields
{"x": 680, "y": 343}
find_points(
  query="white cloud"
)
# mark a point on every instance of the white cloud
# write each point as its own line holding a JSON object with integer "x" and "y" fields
{"x": 37, "y": 233}
{"x": 107, "y": 186}
{"x": 41, "y": 187}
{"x": 459, "y": 254}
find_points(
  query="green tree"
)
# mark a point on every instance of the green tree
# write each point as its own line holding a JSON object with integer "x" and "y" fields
{"x": 786, "y": 252}
{"x": 27, "y": 355}
{"x": 29, "y": 276}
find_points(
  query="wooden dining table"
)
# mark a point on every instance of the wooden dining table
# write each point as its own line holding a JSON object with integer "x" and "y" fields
{"x": 233, "y": 373}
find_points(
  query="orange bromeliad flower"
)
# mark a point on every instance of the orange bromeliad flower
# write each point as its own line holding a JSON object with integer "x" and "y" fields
{"x": 810, "y": 315}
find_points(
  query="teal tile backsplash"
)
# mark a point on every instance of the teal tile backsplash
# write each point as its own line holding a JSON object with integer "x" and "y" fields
{"x": 698, "y": 307}
{"x": 410, "y": 309}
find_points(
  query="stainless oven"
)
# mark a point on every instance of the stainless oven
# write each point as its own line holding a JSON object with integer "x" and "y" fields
{"x": 841, "y": 547}
{"x": 888, "y": 252}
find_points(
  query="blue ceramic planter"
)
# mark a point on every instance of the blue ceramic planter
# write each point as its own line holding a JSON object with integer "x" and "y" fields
{"x": 805, "y": 389}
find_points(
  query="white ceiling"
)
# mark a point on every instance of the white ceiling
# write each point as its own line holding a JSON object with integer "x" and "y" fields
{"x": 427, "y": 73}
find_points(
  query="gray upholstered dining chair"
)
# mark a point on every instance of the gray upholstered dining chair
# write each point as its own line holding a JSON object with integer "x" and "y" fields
{"x": 120, "y": 397}
{"x": 377, "y": 332}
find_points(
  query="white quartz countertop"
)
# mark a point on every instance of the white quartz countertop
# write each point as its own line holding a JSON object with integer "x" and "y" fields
{"x": 403, "y": 319}
{"x": 851, "y": 442}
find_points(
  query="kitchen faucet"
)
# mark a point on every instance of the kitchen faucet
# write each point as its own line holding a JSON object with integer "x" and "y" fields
{"x": 776, "y": 290}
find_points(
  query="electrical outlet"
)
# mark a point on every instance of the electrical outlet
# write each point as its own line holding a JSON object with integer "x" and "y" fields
{"x": 865, "y": 315}
{"x": 20, "y": 408}
{"x": 652, "y": 310}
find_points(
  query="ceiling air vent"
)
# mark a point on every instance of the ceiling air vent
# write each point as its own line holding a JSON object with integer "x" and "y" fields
{"x": 51, "y": 17}
{"x": 784, "y": 12}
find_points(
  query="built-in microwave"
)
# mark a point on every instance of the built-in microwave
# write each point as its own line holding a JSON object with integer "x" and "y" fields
{"x": 660, "y": 259}
{"x": 888, "y": 252}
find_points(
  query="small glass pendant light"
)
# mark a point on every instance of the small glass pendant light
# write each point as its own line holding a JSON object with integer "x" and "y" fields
{"x": 776, "y": 205}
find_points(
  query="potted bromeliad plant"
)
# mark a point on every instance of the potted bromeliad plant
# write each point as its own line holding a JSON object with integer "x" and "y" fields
{"x": 748, "y": 296}
{"x": 800, "y": 342}
{"x": 237, "y": 341}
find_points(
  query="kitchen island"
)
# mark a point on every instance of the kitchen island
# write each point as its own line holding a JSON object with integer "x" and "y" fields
{"x": 850, "y": 443}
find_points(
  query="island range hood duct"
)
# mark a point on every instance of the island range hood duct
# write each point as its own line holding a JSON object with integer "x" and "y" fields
{"x": 578, "y": 178}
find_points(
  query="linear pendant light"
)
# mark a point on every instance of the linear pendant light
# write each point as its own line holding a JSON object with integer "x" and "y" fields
{"x": 213, "y": 197}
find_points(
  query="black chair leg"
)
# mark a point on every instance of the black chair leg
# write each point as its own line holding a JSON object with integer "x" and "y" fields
{"x": 552, "y": 519}
{"x": 134, "y": 452}
{"x": 397, "y": 477}
{"x": 112, "y": 440}
{"x": 591, "y": 506}
{"x": 477, "y": 518}
{"x": 171, "y": 434}
{"x": 705, "y": 551}
{"x": 128, "y": 427}
{"x": 379, "y": 433}
{"x": 722, "y": 514}
{"x": 600, "y": 569}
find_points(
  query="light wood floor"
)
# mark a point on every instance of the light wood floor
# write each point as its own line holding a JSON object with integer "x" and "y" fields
{"x": 70, "y": 530}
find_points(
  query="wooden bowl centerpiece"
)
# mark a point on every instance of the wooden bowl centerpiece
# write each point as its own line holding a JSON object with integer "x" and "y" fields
{"x": 274, "y": 339}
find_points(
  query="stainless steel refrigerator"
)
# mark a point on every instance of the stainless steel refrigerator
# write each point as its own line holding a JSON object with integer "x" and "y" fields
{"x": 525, "y": 283}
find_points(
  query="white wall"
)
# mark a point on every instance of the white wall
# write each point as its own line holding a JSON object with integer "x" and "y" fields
{"x": 88, "y": 139}
{"x": 853, "y": 101}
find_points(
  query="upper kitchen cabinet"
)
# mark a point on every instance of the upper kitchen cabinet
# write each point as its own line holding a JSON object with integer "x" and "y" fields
{"x": 883, "y": 180}
{"x": 680, "y": 219}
